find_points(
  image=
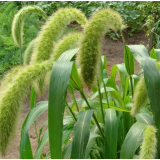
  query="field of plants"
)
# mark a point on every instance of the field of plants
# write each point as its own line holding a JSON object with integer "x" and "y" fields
{"x": 95, "y": 109}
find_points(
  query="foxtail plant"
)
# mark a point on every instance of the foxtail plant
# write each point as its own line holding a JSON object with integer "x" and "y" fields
{"x": 149, "y": 145}
{"x": 68, "y": 42}
{"x": 88, "y": 58}
{"x": 89, "y": 54}
{"x": 53, "y": 30}
{"x": 18, "y": 22}
{"x": 12, "y": 97}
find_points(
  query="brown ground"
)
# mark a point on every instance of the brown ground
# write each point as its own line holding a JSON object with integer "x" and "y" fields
{"x": 114, "y": 52}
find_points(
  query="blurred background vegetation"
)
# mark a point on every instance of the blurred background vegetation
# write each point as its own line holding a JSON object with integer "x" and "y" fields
{"x": 139, "y": 15}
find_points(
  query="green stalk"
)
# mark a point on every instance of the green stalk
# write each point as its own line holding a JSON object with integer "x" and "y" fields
{"x": 106, "y": 93}
{"x": 74, "y": 116}
{"x": 99, "y": 151}
{"x": 124, "y": 43}
{"x": 75, "y": 100}
{"x": 100, "y": 98}
{"x": 95, "y": 119}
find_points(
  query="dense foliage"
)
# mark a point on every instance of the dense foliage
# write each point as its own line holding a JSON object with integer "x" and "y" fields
{"x": 111, "y": 121}
{"x": 135, "y": 14}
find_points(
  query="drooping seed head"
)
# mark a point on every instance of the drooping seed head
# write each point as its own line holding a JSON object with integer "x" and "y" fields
{"x": 140, "y": 97}
{"x": 149, "y": 144}
{"x": 90, "y": 48}
{"x": 11, "y": 99}
{"x": 18, "y": 22}
{"x": 52, "y": 31}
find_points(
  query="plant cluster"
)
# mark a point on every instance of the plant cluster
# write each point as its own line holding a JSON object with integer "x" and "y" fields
{"x": 98, "y": 125}
{"x": 133, "y": 13}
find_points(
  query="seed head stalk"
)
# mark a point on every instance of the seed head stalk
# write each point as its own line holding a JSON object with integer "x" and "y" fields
{"x": 89, "y": 108}
{"x": 130, "y": 76}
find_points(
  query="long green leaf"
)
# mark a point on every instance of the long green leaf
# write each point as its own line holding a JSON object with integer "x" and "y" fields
{"x": 41, "y": 145}
{"x": 81, "y": 134}
{"x": 111, "y": 134}
{"x": 152, "y": 80}
{"x": 68, "y": 55}
{"x": 25, "y": 145}
{"x": 32, "y": 98}
{"x": 94, "y": 133}
{"x": 145, "y": 118}
{"x": 67, "y": 150}
{"x": 122, "y": 73}
{"x": 61, "y": 73}
{"x": 96, "y": 104}
{"x": 129, "y": 60}
{"x": 132, "y": 141}
{"x": 113, "y": 92}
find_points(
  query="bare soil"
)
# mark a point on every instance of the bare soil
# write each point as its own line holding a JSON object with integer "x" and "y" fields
{"x": 114, "y": 53}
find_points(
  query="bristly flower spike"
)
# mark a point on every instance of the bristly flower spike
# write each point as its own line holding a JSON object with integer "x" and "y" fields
{"x": 18, "y": 22}
{"x": 88, "y": 57}
{"x": 12, "y": 97}
{"x": 140, "y": 97}
{"x": 52, "y": 31}
{"x": 149, "y": 144}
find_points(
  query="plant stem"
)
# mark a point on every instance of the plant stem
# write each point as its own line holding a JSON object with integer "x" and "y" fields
{"x": 75, "y": 101}
{"x": 99, "y": 151}
{"x": 124, "y": 43}
{"x": 74, "y": 116}
{"x": 106, "y": 93}
{"x": 100, "y": 99}
{"x": 35, "y": 127}
{"x": 131, "y": 84}
{"x": 90, "y": 108}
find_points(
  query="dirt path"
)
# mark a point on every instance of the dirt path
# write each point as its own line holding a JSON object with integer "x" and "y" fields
{"x": 114, "y": 52}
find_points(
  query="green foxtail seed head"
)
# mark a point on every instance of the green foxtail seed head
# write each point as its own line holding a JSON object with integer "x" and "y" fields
{"x": 18, "y": 22}
{"x": 12, "y": 97}
{"x": 53, "y": 30}
{"x": 28, "y": 52}
{"x": 140, "y": 97}
{"x": 149, "y": 144}
{"x": 69, "y": 41}
{"x": 90, "y": 48}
